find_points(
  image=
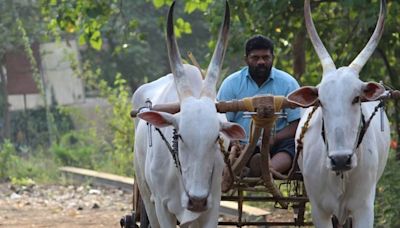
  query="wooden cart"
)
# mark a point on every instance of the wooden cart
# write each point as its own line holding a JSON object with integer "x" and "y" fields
{"x": 286, "y": 191}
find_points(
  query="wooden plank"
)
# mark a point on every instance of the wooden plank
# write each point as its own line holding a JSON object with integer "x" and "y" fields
{"x": 99, "y": 178}
{"x": 126, "y": 183}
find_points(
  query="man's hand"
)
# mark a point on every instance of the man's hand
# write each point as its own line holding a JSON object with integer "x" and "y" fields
{"x": 265, "y": 111}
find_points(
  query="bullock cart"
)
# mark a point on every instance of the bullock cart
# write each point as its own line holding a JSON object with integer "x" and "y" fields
{"x": 286, "y": 192}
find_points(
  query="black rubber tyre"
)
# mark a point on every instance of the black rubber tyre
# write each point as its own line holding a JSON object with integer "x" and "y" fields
{"x": 128, "y": 222}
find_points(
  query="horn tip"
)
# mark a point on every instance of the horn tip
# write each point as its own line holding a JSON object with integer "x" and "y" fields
{"x": 170, "y": 27}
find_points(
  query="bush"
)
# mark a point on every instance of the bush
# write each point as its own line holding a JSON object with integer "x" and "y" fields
{"x": 30, "y": 127}
{"x": 7, "y": 159}
{"x": 77, "y": 148}
{"x": 40, "y": 167}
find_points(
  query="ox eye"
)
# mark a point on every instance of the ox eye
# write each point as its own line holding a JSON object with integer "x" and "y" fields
{"x": 356, "y": 100}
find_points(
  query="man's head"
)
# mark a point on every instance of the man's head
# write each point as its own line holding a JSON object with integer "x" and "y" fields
{"x": 259, "y": 56}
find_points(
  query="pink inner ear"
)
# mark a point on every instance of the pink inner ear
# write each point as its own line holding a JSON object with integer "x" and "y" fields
{"x": 233, "y": 131}
{"x": 304, "y": 96}
{"x": 372, "y": 91}
{"x": 154, "y": 118}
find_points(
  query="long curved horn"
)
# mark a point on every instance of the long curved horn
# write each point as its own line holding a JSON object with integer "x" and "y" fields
{"x": 326, "y": 60}
{"x": 214, "y": 68}
{"x": 369, "y": 48}
{"x": 181, "y": 82}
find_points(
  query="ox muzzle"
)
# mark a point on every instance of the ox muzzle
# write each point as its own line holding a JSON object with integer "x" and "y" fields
{"x": 197, "y": 204}
{"x": 340, "y": 162}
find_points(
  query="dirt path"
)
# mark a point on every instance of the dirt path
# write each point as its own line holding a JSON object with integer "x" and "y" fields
{"x": 72, "y": 207}
{"x": 62, "y": 206}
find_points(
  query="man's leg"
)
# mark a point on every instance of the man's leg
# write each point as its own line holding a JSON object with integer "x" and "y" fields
{"x": 227, "y": 179}
{"x": 280, "y": 162}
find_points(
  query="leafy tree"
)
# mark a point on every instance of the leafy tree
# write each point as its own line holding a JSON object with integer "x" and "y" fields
{"x": 133, "y": 37}
{"x": 20, "y": 26}
{"x": 118, "y": 36}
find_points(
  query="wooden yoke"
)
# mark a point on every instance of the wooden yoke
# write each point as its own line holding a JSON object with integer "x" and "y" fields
{"x": 260, "y": 104}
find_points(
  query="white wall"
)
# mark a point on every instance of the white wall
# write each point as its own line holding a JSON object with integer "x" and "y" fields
{"x": 58, "y": 75}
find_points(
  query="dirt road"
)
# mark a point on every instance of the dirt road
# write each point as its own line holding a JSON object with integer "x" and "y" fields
{"x": 62, "y": 206}
{"x": 71, "y": 206}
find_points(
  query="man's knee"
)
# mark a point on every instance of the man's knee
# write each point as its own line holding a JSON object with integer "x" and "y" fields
{"x": 281, "y": 162}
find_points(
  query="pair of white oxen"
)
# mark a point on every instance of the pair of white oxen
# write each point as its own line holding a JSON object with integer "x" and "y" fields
{"x": 340, "y": 174}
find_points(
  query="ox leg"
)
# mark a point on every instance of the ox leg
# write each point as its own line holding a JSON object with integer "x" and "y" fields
{"x": 208, "y": 220}
{"x": 320, "y": 218}
{"x": 167, "y": 219}
{"x": 145, "y": 194}
{"x": 149, "y": 206}
{"x": 363, "y": 217}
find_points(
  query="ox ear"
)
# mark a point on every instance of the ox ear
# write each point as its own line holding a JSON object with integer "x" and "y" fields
{"x": 232, "y": 130}
{"x": 371, "y": 91}
{"x": 159, "y": 119}
{"x": 305, "y": 96}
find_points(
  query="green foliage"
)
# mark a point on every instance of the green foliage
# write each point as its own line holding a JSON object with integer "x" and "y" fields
{"x": 7, "y": 158}
{"x": 22, "y": 181}
{"x": 78, "y": 148}
{"x": 24, "y": 13}
{"x": 85, "y": 17}
{"x": 22, "y": 168}
{"x": 120, "y": 124}
{"x": 10, "y": 12}
{"x": 190, "y": 5}
{"x": 114, "y": 155}
{"x": 30, "y": 127}
{"x": 387, "y": 203}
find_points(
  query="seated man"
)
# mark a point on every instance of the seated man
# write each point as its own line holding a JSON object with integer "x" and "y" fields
{"x": 259, "y": 77}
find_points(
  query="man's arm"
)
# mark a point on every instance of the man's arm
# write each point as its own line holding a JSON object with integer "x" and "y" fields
{"x": 287, "y": 132}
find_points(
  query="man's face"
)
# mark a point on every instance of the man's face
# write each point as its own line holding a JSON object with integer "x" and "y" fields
{"x": 260, "y": 63}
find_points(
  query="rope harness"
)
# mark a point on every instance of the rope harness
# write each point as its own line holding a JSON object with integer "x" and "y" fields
{"x": 174, "y": 148}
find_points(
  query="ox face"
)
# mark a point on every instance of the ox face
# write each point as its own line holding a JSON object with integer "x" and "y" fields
{"x": 341, "y": 108}
{"x": 199, "y": 153}
{"x": 340, "y": 94}
{"x": 342, "y": 120}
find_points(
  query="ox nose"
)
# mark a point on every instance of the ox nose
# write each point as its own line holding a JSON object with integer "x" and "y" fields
{"x": 341, "y": 162}
{"x": 197, "y": 204}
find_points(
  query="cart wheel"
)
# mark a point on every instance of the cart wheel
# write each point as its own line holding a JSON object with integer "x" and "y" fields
{"x": 144, "y": 220}
{"x": 128, "y": 221}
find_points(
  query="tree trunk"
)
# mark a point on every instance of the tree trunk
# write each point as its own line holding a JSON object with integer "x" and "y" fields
{"x": 299, "y": 54}
{"x": 6, "y": 112}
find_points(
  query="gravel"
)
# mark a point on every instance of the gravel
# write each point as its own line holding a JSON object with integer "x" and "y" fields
{"x": 62, "y": 206}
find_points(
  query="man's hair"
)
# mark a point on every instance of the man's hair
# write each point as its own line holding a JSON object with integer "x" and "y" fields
{"x": 258, "y": 42}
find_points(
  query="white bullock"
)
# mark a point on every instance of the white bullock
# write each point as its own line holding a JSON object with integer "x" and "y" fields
{"x": 340, "y": 174}
{"x": 190, "y": 193}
